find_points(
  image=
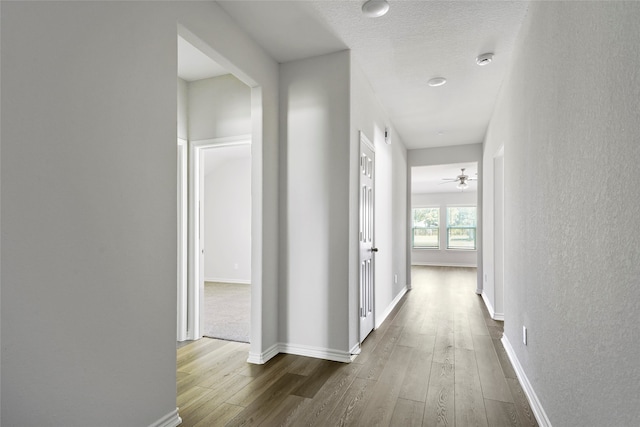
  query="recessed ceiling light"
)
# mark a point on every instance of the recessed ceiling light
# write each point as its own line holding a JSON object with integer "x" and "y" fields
{"x": 437, "y": 81}
{"x": 484, "y": 59}
{"x": 375, "y": 8}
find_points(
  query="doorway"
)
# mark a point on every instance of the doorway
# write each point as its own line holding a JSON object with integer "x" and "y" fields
{"x": 221, "y": 180}
{"x": 216, "y": 215}
{"x": 444, "y": 215}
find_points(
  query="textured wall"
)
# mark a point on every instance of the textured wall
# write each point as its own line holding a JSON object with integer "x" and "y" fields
{"x": 314, "y": 101}
{"x": 568, "y": 116}
{"x": 227, "y": 215}
{"x": 89, "y": 214}
{"x": 183, "y": 104}
{"x": 219, "y": 107}
{"x": 89, "y": 205}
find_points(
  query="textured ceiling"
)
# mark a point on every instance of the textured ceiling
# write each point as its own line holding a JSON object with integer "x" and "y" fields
{"x": 400, "y": 52}
{"x": 433, "y": 179}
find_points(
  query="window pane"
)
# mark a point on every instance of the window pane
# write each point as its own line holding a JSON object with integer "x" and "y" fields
{"x": 426, "y": 237}
{"x": 461, "y": 216}
{"x": 426, "y": 228}
{"x": 461, "y": 227}
{"x": 461, "y": 238}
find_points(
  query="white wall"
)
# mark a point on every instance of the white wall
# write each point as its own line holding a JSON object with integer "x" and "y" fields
{"x": 0, "y": 222}
{"x": 444, "y": 256}
{"x": 227, "y": 214}
{"x": 325, "y": 102}
{"x": 444, "y": 156}
{"x": 219, "y": 107}
{"x": 399, "y": 210}
{"x": 183, "y": 109}
{"x": 570, "y": 129}
{"x": 314, "y": 106}
{"x": 367, "y": 115}
{"x": 89, "y": 205}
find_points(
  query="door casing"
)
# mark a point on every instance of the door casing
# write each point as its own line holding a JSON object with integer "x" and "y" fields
{"x": 195, "y": 282}
{"x": 366, "y": 237}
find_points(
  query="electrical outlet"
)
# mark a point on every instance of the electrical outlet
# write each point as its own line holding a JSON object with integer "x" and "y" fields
{"x": 524, "y": 335}
{"x": 395, "y": 278}
{"x": 235, "y": 266}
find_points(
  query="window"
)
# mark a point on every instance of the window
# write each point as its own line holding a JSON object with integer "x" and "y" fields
{"x": 461, "y": 227}
{"x": 426, "y": 228}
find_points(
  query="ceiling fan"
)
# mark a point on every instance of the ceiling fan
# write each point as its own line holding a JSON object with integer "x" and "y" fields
{"x": 462, "y": 180}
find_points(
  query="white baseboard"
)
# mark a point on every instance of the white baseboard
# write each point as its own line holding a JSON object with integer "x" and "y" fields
{"x": 355, "y": 350}
{"x": 317, "y": 352}
{"x": 536, "y": 406}
{"x": 265, "y": 356}
{"x": 390, "y": 307}
{"x": 218, "y": 280}
{"x": 172, "y": 419}
{"x": 303, "y": 350}
{"x": 443, "y": 264}
{"x": 492, "y": 311}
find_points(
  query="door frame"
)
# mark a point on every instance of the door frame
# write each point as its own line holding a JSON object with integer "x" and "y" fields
{"x": 499, "y": 254}
{"x": 183, "y": 247}
{"x": 194, "y": 300}
{"x": 365, "y": 141}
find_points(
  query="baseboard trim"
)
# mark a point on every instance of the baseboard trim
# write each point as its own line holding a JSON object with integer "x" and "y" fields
{"x": 380, "y": 320}
{"x": 536, "y": 406}
{"x": 490, "y": 309}
{"x": 443, "y": 264}
{"x": 265, "y": 356}
{"x": 355, "y": 351}
{"x": 172, "y": 419}
{"x": 234, "y": 281}
{"x": 317, "y": 352}
{"x": 303, "y": 350}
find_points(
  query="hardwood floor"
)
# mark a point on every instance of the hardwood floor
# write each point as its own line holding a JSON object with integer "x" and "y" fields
{"x": 436, "y": 361}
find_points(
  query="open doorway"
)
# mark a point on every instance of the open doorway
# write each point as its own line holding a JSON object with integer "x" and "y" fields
{"x": 444, "y": 215}
{"x": 215, "y": 214}
{"x": 226, "y": 229}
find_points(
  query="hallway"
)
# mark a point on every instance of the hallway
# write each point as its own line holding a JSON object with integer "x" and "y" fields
{"x": 436, "y": 360}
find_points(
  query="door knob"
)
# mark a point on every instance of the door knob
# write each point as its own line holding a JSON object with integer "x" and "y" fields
{"x": 374, "y": 249}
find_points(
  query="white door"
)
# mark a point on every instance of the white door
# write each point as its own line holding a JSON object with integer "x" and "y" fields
{"x": 366, "y": 237}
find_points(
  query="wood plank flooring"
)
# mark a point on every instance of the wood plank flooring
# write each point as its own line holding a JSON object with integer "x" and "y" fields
{"x": 436, "y": 361}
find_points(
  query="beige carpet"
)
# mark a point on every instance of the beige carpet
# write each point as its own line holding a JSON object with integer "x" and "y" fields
{"x": 227, "y": 308}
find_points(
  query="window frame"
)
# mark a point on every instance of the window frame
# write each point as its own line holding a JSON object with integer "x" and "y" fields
{"x": 437, "y": 229}
{"x": 449, "y": 227}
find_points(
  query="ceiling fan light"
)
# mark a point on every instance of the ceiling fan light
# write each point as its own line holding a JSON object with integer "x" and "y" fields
{"x": 375, "y": 8}
{"x": 462, "y": 185}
